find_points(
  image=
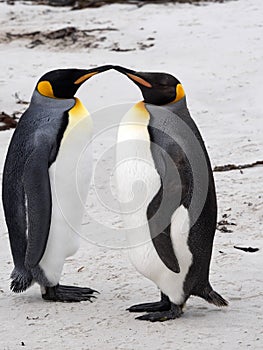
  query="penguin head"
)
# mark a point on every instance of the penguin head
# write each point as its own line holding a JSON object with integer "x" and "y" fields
{"x": 157, "y": 88}
{"x": 64, "y": 83}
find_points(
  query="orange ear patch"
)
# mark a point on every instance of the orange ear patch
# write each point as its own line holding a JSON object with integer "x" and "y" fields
{"x": 45, "y": 88}
{"x": 139, "y": 80}
{"x": 179, "y": 92}
{"x": 84, "y": 77}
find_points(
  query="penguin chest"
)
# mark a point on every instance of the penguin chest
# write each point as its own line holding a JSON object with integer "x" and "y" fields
{"x": 69, "y": 180}
{"x": 137, "y": 180}
{"x": 70, "y": 174}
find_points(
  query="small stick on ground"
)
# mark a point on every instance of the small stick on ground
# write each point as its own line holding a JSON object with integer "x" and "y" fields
{"x": 19, "y": 100}
{"x": 229, "y": 167}
{"x": 247, "y": 249}
{"x": 7, "y": 121}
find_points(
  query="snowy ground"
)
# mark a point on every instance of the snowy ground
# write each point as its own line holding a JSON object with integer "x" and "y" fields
{"x": 216, "y": 50}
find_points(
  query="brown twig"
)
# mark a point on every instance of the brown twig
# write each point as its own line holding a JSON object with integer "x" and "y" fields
{"x": 81, "y": 4}
{"x": 108, "y": 29}
{"x": 19, "y": 100}
{"x": 229, "y": 167}
{"x": 7, "y": 121}
{"x": 23, "y": 35}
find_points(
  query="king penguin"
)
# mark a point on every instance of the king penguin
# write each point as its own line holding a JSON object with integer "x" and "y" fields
{"x": 162, "y": 158}
{"x": 45, "y": 184}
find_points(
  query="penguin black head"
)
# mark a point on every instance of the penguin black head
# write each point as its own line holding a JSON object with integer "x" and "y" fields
{"x": 157, "y": 88}
{"x": 64, "y": 83}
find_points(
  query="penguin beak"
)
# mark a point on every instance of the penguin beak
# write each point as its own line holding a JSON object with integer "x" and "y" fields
{"x": 136, "y": 77}
{"x": 92, "y": 72}
{"x": 104, "y": 68}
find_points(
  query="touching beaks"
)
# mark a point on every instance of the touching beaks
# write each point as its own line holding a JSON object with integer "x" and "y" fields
{"x": 136, "y": 77}
{"x": 124, "y": 70}
{"x": 91, "y": 73}
{"x": 133, "y": 75}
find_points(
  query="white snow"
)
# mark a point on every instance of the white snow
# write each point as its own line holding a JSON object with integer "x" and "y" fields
{"x": 216, "y": 51}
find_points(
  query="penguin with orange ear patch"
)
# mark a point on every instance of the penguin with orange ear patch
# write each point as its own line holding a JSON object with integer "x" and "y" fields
{"x": 45, "y": 183}
{"x": 161, "y": 155}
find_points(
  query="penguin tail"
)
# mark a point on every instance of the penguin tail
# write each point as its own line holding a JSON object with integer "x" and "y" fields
{"x": 216, "y": 299}
{"x": 21, "y": 280}
{"x": 213, "y": 297}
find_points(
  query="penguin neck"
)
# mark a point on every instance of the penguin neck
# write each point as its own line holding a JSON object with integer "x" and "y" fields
{"x": 53, "y": 103}
{"x": 174, "y": 107}
{"x": 134, "y": 124}
{"x": 177, "y": 106}
{"x": 76, "y": 114}
{"x": 137, "y": 114}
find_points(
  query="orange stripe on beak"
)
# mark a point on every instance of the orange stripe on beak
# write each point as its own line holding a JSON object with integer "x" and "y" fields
{"x": 84, "y": 77}
{"x": 139, "y": 80}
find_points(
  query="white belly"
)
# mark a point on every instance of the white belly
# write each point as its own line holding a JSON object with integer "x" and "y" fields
{"x": 147, "y": 261}
{"x": 138, "y": 182}
{"x": 69, "y": 179}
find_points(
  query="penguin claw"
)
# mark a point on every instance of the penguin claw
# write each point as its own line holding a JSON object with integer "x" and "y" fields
{"x": 161, "y": 316}
{"x": 163, "y": 305}
{"x": 76, "y": 289}
{"x": 69, "y": 294}
{"x": 152, "y": 318}
{"x": 150, "y": 307}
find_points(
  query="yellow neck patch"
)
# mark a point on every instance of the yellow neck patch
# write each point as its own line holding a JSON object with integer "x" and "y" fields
{"x": 179, "y": 93}
{"x": 76, "y": 114}
{"x": 45, "y": 88}
{"x": 134, "y": 124}
{"x": 78, "y": 111}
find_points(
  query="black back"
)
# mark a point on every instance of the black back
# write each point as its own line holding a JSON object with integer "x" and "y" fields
{"x": 183, "y": 164}
{"x": 26, "y": 188}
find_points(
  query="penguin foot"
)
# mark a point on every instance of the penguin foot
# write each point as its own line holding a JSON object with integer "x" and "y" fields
{"x": 163, "y": 305}
{"x": 161, "y": 316}
{"x": 69, "y": 294}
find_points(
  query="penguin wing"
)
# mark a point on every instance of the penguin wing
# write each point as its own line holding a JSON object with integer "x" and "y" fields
{"x": 175, "y": 172}
{"x": 159, "y": 213}
{"x": 160, "y": 235}
{"x": 38, "y": 201}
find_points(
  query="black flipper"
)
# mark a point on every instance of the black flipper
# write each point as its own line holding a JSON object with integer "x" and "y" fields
{"x": 15, "y": 214}
{"x": 13, "y": 196}
{"x": 161, "y": 235}
{"x": 171, "y": 163}
{"x": 39, "y": 203}
{"x": 49, "y": 116}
